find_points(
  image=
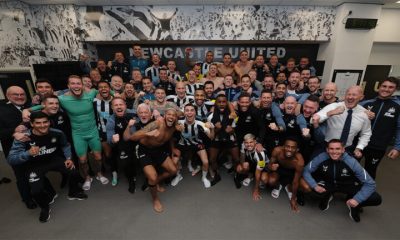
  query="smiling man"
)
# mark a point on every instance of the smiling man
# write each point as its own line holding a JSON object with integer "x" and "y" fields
{"x": 154, "y": 152}
{"x": 47, "y": 150}
{"x": 336, "y": 171}
{"x": 385, "y": 125}
{"x": 79, "y": 106}
{"x": 286, "y": 167}
{"x": 123, "y": 150}
{"x": 347, "y": 120}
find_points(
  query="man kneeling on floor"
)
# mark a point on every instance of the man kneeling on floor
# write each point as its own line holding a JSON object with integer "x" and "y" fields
{"x": 286, "y": 167}
{"x": 336, "y": 171}
{"x": 47, "y": 150}
{"x": 252, "y": 163}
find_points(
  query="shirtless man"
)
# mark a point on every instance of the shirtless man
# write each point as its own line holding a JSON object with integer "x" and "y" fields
{"x": 212, "y": 76}
{"x": 226, "y": 68}
{"x": 152, "y": 152}
{"x": 287, "y": 166}
{"x": 160, "y": 105}
{"x": 244, "y": 65}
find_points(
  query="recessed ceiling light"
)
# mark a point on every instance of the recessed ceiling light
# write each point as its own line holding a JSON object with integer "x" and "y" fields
{"x": 398, "y": 2}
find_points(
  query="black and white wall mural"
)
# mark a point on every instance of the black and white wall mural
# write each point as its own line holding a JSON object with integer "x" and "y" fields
{"x": 38, "y": 33}
{"x": 32, "y": 34}
{"x": 207, "y": 23}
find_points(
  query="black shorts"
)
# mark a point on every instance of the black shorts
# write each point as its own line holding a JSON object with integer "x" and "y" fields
{"x": 191, "y": 148}
{"x": 224, "y": 144}
{"x": 152, "y": 156}
{"x": 286, "y": 175}
{"x": 103, "y": 136}
{"x": 252, "y": 166}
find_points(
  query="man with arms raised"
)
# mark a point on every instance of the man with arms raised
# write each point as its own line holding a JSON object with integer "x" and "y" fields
{"x": 153, "y": 151}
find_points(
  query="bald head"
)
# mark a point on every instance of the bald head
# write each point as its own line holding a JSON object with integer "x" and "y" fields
{"x": 290, "y": 104}
{"x": 329, "y": 92}
{"x": 331, "y": 85}
{"x": 16, "y": 95}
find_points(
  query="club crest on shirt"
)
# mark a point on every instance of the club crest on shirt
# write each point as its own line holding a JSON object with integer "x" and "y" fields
{"x": 345, "y": 172}
{"x": 324, "y": 168}
{"x": 248, "y": 119}
{"x": 60, "y": 120}
{"x": 291, "y": 123}
{"x": 33, "y": 177}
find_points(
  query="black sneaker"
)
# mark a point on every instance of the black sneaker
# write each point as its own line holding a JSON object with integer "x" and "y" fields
{"x": 324, "y": 204}
{"x": 77, "y": 196}
{"x": 44, "y": 215}
{"x": 300, "y": 198}
{"x": 30, "y": 204}
{"x": 132, "y": 186}
{"x": 237, "y": 180}
{"x": 354, "y": 213}
{"x": 216, "y": 179}
{"x": 145, "y": 186}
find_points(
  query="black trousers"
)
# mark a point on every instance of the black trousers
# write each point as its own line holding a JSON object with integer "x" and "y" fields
{"x": 124, "y": 153}
{"x": 36, "y": 174}
{"x": 374, "y": 200}
{"x": 372, "y": 159}
{"x": 23, "y": 186}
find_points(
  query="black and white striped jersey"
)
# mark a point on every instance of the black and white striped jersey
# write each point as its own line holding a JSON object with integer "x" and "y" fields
{"x": 205, "y": 66}
{"x": 175, "y": 76}
{"x": 153, "y": 73}
{"x": 259, "y": 158}
{"x": 191, "y": 88}
{"x": 192, "y": 134}
{"x": 102, "y": 112}
{"x": 204, "y": 110}
{"x": 180, "y": 102}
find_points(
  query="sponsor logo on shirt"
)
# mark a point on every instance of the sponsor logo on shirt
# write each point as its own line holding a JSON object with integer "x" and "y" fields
{"x": 390, "y": 113}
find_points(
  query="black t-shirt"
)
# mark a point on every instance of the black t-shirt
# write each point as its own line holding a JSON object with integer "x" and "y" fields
{"x": 50, "y": 145}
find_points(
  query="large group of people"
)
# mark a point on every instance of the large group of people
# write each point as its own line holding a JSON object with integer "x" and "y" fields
{"x": 270, "y": 125}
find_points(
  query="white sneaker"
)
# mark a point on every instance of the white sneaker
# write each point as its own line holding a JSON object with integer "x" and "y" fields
{"x": 190, "y": 167}
{"x": 196, "y": 170}
{"x": 206, "y": 182}
{"x": 228, "y": 165}
{"x": 86, "y": 185}
{"x": 176, "y": 180}
{"x": 102, "y": 179}
{"x": 289, "y": 194}
{"x": 246, "y": 182}
{"x": 276, "y": 192}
